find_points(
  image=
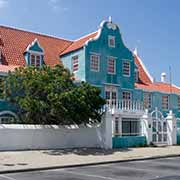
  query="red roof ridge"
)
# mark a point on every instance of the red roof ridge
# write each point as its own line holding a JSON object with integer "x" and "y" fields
{"x": 86, "y": 36}
{"x": 79, "y": 43}
{"x": 35, "y": 33}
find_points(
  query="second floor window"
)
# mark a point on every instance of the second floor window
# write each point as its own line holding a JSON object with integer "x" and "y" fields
{"x": 126, "y": 95}
{"x": 75, "y": 63}
{"x": 94, "y": 62}
{"x": 35, "y": 60}
{"x": 111, "y": 41}
{"x": 126, "y": 68}
{"x": 178, "y": 103}
{"x": 147, "y": 100}
{"x": 111, "y": 65}
{"x": 165, "y": 102}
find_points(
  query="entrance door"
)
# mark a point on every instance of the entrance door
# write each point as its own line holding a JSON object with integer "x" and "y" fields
{"x": 111, "y": 94}
{"x": 159, "y": 128}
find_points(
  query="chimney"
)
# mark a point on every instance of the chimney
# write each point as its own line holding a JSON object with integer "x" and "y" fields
{"x": 163, "y": 77}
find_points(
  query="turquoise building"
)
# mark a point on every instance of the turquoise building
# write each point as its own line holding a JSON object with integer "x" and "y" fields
{"x": 102, "y": 59}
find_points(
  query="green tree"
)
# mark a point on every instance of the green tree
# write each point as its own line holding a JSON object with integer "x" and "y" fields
{"x": 49, "y": 96}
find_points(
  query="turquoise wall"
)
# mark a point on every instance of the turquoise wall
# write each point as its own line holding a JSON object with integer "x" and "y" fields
{"x": 67, "y": 62}
{"x": 129, "y": 141}
{"x": 120, "y": 52}
{"x": 100, "y": 46}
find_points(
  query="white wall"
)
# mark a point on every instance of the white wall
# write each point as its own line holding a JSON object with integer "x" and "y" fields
{"x": 21, "y": 137}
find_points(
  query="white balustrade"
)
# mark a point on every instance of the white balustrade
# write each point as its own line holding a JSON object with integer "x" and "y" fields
{"x": 125, "y": 105}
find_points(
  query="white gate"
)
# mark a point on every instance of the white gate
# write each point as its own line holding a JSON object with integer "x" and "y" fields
{"x": 159, "y": 128}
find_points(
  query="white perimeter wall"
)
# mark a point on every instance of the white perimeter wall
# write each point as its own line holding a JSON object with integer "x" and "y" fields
{"x": 22, "y": 137}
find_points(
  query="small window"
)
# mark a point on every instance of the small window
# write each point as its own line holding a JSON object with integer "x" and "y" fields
{"x": 136, "y": 75}
{"x": 126, "y": 68}
{"x": 147, "y": 100}
{"x": 111, "y": 41}
{"x": 94, "y": 62}
{"x": 111, "y": 66}
{"x": 75, "y": 63}
{"x": 165, "y": 102}
{"x": 35, "y": 60}
{"x": 178, "y": 103}
{"x": 126, "y": 95}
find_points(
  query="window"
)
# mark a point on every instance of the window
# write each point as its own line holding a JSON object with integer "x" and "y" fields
{"x": 111, "y": 65}
{"x": 35, "y": 60}
{"x": 178, "y": 103}
{"x": 94, "y": 62}
{"x": 147, "y": 100}
{"x": 111, "y": 41}
{"x": 126, "y": 68}
{"x": 165, "y": 102}
{"x": 131, "y": 127}
{"x": 126, "y": 95}
{"x": 75, "y": 64}
{"x": 136, "y": 75}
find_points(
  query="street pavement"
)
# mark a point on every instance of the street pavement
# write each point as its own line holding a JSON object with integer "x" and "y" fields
{"x": 156, "y": 169}
{"x": 49, "y": 159}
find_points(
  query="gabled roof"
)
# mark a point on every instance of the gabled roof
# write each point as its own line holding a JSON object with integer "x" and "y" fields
{"x": 160, "y": 87}
{"x": 144, "y": 75}
{"x": 13, "y": 43}
{"x": 77, "y": 44}
{"x": 146, "y": 81}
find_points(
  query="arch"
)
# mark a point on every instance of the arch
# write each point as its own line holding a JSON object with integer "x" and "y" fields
{"x": 9, "y": 113}
{"x": 156, "y": 114}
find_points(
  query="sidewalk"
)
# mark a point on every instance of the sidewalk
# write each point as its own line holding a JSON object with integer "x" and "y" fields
{"x": 31, "y": 160}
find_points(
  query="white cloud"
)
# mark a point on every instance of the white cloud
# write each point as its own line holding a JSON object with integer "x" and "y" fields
{"x": 57, "y": 6}
{"x": 3, "y": 3}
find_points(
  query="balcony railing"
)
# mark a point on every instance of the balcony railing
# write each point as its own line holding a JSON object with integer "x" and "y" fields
{"x": 125, "y": 105}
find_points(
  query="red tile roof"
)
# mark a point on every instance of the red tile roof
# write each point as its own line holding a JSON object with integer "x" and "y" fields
{"x": 79, "y": 43}
{"x": 158, "y": 86}
{"x": 14, "y": 42}
{"x": 143, "y": 74}
{"x": 147, "y": 84}
{"x": 6, "y": 69}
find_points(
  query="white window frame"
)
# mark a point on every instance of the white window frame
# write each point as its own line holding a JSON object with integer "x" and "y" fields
{"x": 35, "y": 55}
{"x": 178, "y": 103}
{"x": 73, "y": 64}
{"x": 126, "y": 61}
{"x": 129, "y": 93}
{"x": 98, "y": 62}
{"x": 131, "y": 120}
{"x": 149, "y": 94}
{"x": 109, "y": 41}
{"x": 163, "y": 102}
{"x": 112, "y": 58}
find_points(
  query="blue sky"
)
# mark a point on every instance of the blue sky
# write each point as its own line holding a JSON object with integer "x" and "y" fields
{"x": 151, "y": 26}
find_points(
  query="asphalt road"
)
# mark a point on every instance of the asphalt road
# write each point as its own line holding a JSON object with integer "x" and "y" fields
{"x": 159, "y": 169}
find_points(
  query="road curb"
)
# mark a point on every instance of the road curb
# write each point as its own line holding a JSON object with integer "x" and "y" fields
{"x": 83, "y": 165}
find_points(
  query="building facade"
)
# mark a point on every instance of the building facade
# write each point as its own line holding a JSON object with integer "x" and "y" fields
{"x": 102, "y": 59}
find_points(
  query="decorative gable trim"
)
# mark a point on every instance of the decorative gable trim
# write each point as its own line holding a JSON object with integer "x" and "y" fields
{"x": 143, "y": 66}
{"x": 32, "y": 44}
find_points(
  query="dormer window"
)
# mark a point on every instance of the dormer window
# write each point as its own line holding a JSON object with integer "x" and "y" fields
{"x": 35, "y": 60}
{"x": 111, "y": 41}
{"x": 34, "y": 54}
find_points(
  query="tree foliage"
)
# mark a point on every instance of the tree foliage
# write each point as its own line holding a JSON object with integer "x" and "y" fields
{"x": 49, "y": 96}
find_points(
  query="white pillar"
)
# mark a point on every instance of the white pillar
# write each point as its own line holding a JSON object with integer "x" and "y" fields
{"x": 171, "y": 129}
{"x": 109, "y": 118}
{"x": 146, "y": 124}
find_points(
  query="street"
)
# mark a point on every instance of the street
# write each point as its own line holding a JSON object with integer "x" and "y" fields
{"x": 159, "y": 169}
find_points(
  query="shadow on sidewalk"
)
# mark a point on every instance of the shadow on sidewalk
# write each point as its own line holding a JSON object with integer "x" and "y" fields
{"x": 84, "y": 151}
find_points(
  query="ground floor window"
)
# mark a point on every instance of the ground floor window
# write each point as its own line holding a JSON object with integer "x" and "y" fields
{"x": 130, "y": 127}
